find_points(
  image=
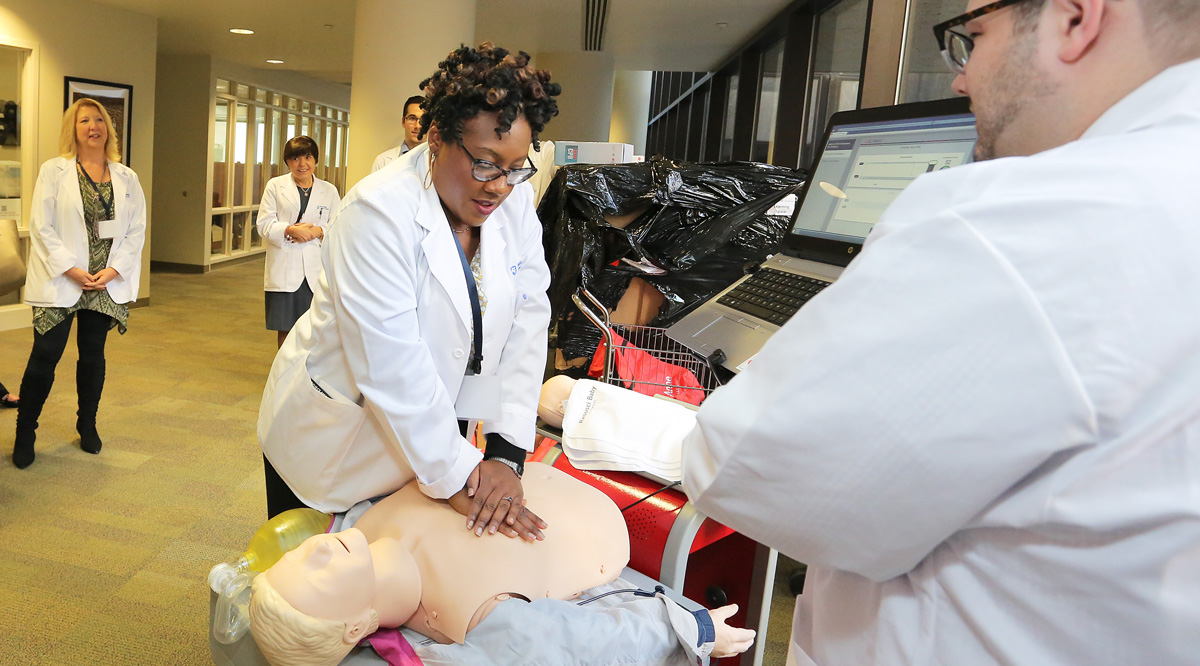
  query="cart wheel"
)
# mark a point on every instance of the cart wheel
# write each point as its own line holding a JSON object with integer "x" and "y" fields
{"x": 796, "y": 581}
{"x": 715, "y": 596}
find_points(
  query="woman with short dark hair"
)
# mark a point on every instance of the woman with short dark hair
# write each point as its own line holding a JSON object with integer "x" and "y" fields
{"x": 295, "y": 211}
{"x": 87, "y": 226}
{"x": 431, "y": 316}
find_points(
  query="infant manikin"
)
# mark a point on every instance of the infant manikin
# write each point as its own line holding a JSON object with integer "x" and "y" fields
{"x": 607, "y": 427}
{"x": 409, "y": 562}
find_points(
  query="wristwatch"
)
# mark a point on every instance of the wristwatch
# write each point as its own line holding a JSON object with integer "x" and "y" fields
{"x": 517, "y": 468}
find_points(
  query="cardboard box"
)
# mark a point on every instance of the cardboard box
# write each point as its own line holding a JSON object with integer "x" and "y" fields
{"x": 592, "y": 152}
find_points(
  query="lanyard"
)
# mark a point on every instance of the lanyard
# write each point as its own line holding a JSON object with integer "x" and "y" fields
{"x": 475, "y": 364}
{"x": 303, "y": 201}
{"x": 108, "y": 205}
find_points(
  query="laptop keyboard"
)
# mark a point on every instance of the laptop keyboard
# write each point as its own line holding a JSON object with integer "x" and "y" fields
{"x": 773, "y": 295}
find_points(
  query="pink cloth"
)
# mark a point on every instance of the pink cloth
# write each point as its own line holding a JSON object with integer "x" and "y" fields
{"x": 394, "y": 648}
{"x": 643, "y": 373}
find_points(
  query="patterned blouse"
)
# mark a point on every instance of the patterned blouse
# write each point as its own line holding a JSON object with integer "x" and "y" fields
{"x": 45, "y": 319}
{"x": 477, "y": 272}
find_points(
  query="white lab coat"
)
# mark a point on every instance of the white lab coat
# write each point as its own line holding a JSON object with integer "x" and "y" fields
{"x": 289, "y": 264}
{"x": 388, "y": 337}
{"x": 388, "y": 156}
{"x": 59, "y": 241}
{"x": 984, "y": 438}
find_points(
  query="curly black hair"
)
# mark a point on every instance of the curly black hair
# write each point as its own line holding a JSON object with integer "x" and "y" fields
{"x": 487, "y": 79}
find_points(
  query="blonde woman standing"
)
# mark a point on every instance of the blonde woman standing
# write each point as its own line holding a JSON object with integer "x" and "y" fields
{"x": 87, "y": 226}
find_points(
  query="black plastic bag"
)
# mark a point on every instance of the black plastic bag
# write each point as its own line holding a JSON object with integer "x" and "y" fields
{"x": 695, "y": 227}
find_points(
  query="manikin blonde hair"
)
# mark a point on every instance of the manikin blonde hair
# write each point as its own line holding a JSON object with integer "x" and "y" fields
{"x": 288, "y": 637}
{"x": 66, "y": 140}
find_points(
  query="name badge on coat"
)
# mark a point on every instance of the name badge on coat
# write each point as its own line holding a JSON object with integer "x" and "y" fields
{"x": 479, "y": 398}
{"x": 108, "y": 228}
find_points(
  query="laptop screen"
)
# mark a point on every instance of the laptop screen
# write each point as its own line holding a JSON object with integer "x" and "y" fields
{"x": 866, "y": 165}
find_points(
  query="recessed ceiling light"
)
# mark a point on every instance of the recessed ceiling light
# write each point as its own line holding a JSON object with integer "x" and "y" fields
{"x": 275, "y": 62}
{"x": 722, "y": 25}
{"x": 241, "y": 31}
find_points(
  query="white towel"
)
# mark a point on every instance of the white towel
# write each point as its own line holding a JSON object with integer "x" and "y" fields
{"x": 607, "y": 427}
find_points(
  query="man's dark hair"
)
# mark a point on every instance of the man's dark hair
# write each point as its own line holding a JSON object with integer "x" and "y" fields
{"x": 488, "y": 79}
{"x": 1028, "y": 14}
{"x": 415, "y": 99}
{"x": 299, "y": 147}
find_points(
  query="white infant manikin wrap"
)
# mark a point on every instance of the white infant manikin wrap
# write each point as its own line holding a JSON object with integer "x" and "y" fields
{"x": 607, "y": 427}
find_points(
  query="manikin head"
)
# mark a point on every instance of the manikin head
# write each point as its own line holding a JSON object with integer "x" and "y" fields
{"x": 1042, "y": 71}
{"x": 555, "y": 392}
{"x": 314, "y": 605}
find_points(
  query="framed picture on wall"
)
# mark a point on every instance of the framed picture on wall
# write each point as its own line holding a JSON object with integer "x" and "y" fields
{"x": 117, "y": 99}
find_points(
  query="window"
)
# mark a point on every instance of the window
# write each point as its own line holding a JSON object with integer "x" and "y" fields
{"x": 730, "y": 112}
{"x": 837, "y": 69}
{"x": 924, "y": 74}
{"x": 220, "y": 168}
{"x": 768, "y": 104}
{"x": 249, "y": 130}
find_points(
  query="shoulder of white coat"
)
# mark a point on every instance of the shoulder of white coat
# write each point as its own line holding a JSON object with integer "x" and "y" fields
{"x": 518, "y": 209}
{"x": 326, "y": 187}
{"x": 396, "y": 192}
{"x": 122, "y": 170}
{"x": 53, "y": 166}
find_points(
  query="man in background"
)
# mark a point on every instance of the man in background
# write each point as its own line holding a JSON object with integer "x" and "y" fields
{"x": 412, "y": 127}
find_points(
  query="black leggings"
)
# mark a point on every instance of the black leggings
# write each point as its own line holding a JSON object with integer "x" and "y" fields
{"x": 48, "y": 347}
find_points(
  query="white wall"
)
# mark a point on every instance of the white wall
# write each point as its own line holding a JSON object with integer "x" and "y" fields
{"x": 182, "y": 125}
{"x": 87, "y": 40}
{"x": 631, "y": 108}
{"x": 585, "y": 106}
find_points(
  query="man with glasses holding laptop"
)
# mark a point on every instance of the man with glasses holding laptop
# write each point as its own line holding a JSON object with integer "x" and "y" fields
{"x": 984, "y": 438}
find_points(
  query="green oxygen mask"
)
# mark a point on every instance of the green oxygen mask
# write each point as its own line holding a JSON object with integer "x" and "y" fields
{"x": 231, "y": 580}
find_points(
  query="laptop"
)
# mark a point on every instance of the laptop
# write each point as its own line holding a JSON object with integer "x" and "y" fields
{"x": 867, "y": 158}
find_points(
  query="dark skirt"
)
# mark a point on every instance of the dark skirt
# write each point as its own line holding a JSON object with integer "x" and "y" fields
{"x": 285, "y": 307}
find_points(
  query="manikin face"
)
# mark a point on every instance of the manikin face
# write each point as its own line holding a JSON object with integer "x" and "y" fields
{"x": 466, "y": 200}
{"x": 329, "y": 576}
{"x": 1005, "y": 83}
{"x": 90, "y": 129}
{"x": 302, "y": 167}
{"x": 412, "y": 125}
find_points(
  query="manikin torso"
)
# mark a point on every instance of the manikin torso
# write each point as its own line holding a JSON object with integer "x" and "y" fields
{"x": 463, "y": 576}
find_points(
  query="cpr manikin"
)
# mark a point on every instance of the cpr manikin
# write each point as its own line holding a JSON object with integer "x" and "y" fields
{"x": 408, "y": 562}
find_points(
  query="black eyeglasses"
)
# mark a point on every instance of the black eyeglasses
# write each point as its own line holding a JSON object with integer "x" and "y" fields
{"x": 410, "y": 118}
{"x": 955, "y": 46}
{"x": 485, "y": 171}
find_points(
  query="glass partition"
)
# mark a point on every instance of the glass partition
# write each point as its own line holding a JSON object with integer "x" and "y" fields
{"x": 924, "y": 74}
{"x": 837, "y": 69}
{"x": 220, "y": 166}
{"x": 260, "y": 151}
{"x": 768, "y": 104}
{"x": 239, "y": 157}
{"x": 730, "y": 112}
{"x": 250, "y": 127}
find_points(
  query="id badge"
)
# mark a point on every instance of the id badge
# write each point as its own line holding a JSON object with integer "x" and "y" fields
{"x": 109, "y": 228}
{"x": 479, "y": 398}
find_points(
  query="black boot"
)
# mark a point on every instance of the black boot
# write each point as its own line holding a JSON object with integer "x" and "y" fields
{"x": 36, "y": 384}
{"x": 89, "y": 381}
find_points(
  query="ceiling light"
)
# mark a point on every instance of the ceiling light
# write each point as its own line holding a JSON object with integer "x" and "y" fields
{"x": 241, "y": 31}
{"x": 722, "y": 25}
{"x": 275, "y": 62}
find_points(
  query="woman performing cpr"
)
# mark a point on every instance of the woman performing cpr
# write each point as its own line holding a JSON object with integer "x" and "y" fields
{"x": 430, "y": 315}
